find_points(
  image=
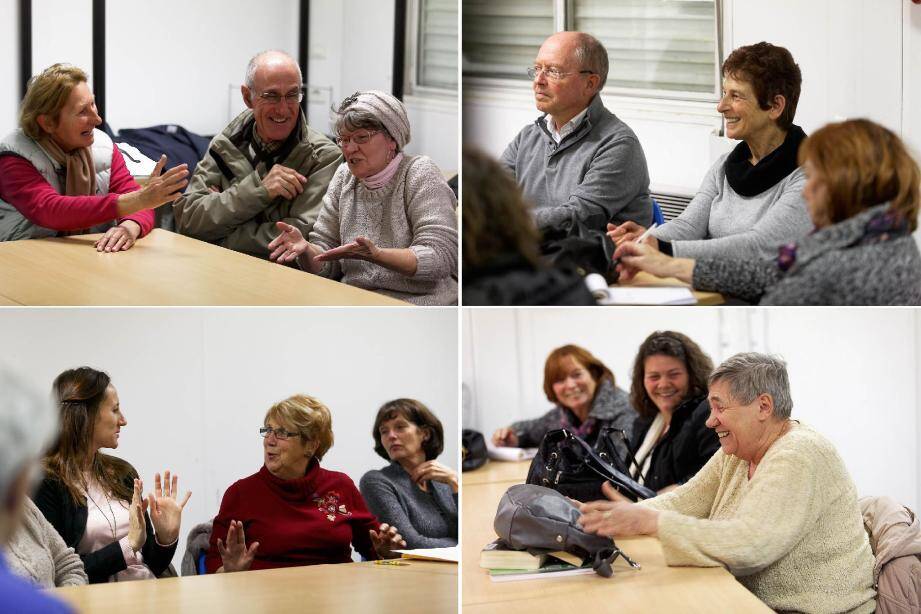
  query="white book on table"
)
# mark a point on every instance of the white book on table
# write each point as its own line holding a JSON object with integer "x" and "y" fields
{"x": 638, "y": 295}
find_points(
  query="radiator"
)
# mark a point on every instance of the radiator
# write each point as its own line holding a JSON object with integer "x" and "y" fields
{"x": 672, "y": 204}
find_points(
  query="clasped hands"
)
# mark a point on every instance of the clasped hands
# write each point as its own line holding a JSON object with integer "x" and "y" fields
{"x": 617, "y": 517}
{"x": 165, "y": 511}
{"x": 633, "y": 257}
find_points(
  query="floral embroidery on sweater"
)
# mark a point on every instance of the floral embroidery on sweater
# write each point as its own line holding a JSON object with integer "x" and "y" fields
{"x": 329, "y": 504}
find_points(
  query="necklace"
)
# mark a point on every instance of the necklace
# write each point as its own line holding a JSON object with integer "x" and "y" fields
{"x": 114, "y": 522}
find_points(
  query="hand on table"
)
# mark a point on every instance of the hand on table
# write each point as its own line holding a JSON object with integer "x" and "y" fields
{"x": 436, "y": 472}
{"x": 236, "y": 556}
{"x": 283, "y": 181}
{"x": 165, "y": 510}
{"x": 359, "y": 249}
{"x": 137, "y": 525}
{"x": 505, "y": 437}
{"x": 630, "y": 231}
{"x": 387, "y": 539}
{"x": 119, "y": 238}
{"x": 617, "y": 517}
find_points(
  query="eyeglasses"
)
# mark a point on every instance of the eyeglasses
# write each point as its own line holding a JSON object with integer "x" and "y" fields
{"x": 281, "y": 434}
{"x": 359, "y": 138}
{"x": 554, "y": 74}
{"x": 289, "y": 98}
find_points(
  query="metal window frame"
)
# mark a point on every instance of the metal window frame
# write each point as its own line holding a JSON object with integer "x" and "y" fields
{"x": 411, "y": 42}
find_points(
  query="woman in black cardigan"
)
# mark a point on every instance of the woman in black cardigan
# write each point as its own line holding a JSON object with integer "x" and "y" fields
{"x": 79, "y": 478}
{"x": 671, "y": 441}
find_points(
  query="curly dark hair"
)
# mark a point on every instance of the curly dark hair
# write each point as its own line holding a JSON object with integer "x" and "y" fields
{"x": 771, "y": 71}
{"x": 495, "y": 219}
{"x": 676, "y": 345}
{"x": 417, "y": 413}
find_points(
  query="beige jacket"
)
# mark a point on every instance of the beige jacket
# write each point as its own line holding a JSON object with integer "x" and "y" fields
{"x": 240, "y": 215}
{"x": 895, "y": 535}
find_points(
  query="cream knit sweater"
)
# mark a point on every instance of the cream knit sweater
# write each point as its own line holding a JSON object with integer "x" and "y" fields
{"x": 793, "y": 534}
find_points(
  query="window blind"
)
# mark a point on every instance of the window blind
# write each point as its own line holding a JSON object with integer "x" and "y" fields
{"x": 437, "y": 63}
{"x": 501, "y": 37}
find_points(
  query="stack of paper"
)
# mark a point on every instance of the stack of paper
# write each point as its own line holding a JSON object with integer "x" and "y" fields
{"x": 509, "y": 454}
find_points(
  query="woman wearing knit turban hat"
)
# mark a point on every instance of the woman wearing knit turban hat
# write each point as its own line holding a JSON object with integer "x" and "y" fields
{"x": 388, "y": 221}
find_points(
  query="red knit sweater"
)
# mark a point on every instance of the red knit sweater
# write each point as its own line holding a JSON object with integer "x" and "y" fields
{"x": 305, "y": 521}
{"x": 23, "y": 186}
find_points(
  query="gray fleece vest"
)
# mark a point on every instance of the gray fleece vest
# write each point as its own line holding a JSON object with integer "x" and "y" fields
{"x": 15, "y": 226}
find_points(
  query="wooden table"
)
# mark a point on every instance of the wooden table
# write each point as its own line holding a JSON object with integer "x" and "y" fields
{"x": 654, "y": 588}
{"x": 648, "y": 280}
{"x": 420, "y": 586}
{"x": 163, "y": 268}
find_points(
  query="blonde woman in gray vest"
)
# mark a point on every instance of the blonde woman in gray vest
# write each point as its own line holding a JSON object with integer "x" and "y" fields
{"x": 60, "y": 175}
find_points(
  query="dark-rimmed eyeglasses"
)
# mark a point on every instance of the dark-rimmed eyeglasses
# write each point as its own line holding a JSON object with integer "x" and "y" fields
{"x": 279, "y": 433}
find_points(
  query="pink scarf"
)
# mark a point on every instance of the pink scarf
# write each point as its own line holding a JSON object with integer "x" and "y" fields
{"x": 383, "y": 178}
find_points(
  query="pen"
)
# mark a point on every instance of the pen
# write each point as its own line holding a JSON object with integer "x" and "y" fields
{"x": 390, "y": 562}
{"x": 642, "y": 238}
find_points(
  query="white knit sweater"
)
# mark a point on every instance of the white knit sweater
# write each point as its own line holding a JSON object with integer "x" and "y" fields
{"x": 793, "y": 534}
{"x": 38, "y": 553}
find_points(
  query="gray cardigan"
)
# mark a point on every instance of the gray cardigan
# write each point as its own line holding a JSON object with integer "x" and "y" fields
{"x": 720, "y": 222}
{"x": 596, "y": 174}
{"x": 424, "y": 519}
{"x": 38, "y": 553}
{"x": 832, "y": 268}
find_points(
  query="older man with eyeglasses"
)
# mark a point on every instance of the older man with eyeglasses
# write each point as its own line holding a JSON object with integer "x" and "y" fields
{"x": 578, "y": 164}
{"x": 267, "y": 166}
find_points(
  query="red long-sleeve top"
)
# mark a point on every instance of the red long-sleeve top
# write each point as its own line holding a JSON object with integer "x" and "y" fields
{"x": 305, "y": 521}
{"x": 23, "y": 186}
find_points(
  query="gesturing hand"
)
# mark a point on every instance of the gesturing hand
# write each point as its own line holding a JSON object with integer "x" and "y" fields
{"x": 359, "y": 249}
{"x": 617, "y": 517}
{"x": 137, "y": 525}
{"x": 436, "y": 472}
{"x": 283, "y": 181}
{"x": 165, "y": 188}
{"x": 236, "y": 556}
{"x": 288, "y": 245}
{"x": 386, "y": 540}
{"x": 165, "y": 510}
{"x": 119, "y": 238}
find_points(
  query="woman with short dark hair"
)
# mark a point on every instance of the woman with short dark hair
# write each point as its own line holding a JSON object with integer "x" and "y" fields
{"x": 671, "y": 441}
{"x": 750, "y": 201}
{"x": 414, "y": 492}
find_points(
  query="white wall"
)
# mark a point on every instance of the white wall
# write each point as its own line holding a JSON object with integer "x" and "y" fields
{"x": 850, "y": 52}
{"x": 183, "y": 62}
{"x": 854, "y": 373}
{"x": 9, "y": 66}
{"x": 195, "y": 384}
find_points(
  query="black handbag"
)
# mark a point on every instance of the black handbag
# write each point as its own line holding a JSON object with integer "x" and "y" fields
{"x": 567, "y": 464}
{"x": 473, "y": 450}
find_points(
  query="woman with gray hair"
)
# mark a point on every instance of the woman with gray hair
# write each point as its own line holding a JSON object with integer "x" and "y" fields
{"x": 388, "y": 222}
{"x": 775, "y": 505}
{"x": 27, "y": 426}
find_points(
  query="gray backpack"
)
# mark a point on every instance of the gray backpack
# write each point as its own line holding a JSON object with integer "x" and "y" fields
{"x": 532, "y": 517}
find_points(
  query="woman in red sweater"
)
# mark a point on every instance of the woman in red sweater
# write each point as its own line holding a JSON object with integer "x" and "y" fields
{"x": 58, "y": 174}
{"x": 292, "y": 511}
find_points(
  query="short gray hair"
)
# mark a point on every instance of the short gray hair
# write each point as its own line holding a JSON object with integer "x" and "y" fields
{"x": 251, "y": 68}
{"x": 593, "y": 56}
{"x": 750, "y": 374}
{"x": 28, "y": 424}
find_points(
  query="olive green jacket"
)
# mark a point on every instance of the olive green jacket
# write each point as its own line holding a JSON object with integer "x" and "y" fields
{"x": 240, "y": 215}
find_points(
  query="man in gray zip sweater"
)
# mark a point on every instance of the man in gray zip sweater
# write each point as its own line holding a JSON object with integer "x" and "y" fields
{"x": 578, "y": 163}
